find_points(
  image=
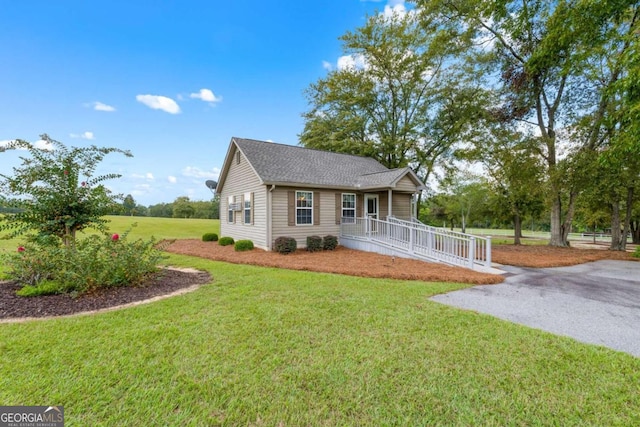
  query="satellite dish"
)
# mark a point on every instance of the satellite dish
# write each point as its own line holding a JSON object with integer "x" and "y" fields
{"x": 211, "y": 185}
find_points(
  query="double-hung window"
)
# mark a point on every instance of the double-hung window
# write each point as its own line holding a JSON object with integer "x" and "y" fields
{"x": 304, "y": 208}
{"x": 348, "y": 207}
{"x": 230, "y": 202}
{"x": 247, "y": 208}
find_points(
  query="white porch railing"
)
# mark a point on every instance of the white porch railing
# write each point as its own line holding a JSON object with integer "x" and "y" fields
{"x": 421, "y": 241}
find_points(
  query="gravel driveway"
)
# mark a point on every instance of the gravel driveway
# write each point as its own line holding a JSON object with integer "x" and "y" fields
{"x": 596, "y": 303}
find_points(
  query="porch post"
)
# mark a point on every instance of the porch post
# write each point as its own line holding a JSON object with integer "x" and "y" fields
{"x": 368, "y": 227}
{"x": 389, "y": 203}
{"x": 472, "y": 251}
{"x": 412, "y": 231}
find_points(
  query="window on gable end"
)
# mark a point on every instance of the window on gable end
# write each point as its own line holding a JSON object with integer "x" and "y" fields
{"x": 231, "y": 202}
{"x": 248, "y": 208}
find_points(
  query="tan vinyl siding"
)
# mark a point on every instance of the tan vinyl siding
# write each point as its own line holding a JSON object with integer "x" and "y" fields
{"x": 382, "y": 205}
{"x": 401, "y": 205}
{"x": 406, "y": 184}
{"x": 241, "y": 179}
{"x": 324, "y": 216}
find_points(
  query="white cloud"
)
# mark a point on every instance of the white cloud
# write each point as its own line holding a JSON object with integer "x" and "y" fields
{"x": 206, "y": 95}
{"x": 194, "y": 172}
{"x": 352, "y": 62}
{"x": 327, "y": 65}
{"x": 172, "y": 179}
{"x": 396, "y": 9}
{"x": 148, "y": 176}
{"x": 85, "y": 135}
{"x": 158, "y": 102}
{"x": 99, "y": 106}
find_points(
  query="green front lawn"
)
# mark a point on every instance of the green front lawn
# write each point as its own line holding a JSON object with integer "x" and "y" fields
{"x": 264, "y": 346}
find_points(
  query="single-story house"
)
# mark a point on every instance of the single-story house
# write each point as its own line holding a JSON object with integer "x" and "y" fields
{"x": 270, "y": 190}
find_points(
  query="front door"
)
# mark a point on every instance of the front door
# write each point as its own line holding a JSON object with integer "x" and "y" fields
{"x": 371, "y": 206}
{"x": 371, "y": 209}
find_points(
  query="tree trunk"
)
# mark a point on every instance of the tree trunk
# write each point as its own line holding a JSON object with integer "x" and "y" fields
{"x": 464, "y": 223}
{"x": 627, "y": 220}
{"x": 568, "y": 219}
{"x": 635, "y": 232}
{"x": 556, "y": 223}
{"x": 615, "y": 226}
{"x": 517, "y": 225}
{"x": 560, "y": 230}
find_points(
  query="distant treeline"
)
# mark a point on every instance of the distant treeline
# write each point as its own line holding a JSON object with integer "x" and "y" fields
{"x": 182, "y": 207}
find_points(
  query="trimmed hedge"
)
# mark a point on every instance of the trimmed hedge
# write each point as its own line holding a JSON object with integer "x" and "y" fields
{"x": 210, "y": 237}
{"x": 285, "y": 245}
{"x": 243, "y": 245}
{"x": 314, "y": 243}
{"x": 225, "y": 241}
{"x": 637, "y": 252}
{"x": 329, "y": 243}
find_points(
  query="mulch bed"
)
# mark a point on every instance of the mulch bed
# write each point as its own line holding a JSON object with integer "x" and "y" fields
{"x": 340, "y": 261}
{"x": 165, "y": 282}
{"x": 543, "y": 256}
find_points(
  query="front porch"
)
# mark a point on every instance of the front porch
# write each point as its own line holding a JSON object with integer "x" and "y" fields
{"x": 412, "y": 239}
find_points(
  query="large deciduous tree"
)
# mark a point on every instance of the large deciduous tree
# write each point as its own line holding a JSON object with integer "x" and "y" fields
{"x": 513, "y": 171}
{"x": 129, "y": 205}
{"x": 183, "y": 207}
{"x": 537, "y": 52}
{"x": 394, "y": 100}
{"x": 609, "y": 131}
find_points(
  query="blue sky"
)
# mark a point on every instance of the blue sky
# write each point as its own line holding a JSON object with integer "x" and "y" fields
{"x": 171, "y": 81}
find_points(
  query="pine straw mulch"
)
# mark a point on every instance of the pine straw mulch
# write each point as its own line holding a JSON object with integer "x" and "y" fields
{"x": 367, "y": 264}
{"x": 543, "y": 256}
{"x": 340, "y": 261}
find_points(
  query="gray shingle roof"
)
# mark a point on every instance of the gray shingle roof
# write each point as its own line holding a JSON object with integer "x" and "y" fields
{"x": 278, "y": 163}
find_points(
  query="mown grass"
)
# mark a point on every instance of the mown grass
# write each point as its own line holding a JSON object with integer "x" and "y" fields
{"x": 501, "y": 240}
{"x": 261, "y": 346}
{"x": 165, "y": 228}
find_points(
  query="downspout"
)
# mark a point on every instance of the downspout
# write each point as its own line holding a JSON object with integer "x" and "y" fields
{"x": 269, "y": 225}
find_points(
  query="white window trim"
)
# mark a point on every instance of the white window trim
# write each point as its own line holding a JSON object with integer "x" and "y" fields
{"x": 308, "y": 208}
{"x": 247, "y": 199}
{"x": 355, "y": 203}
{"x": 230, "y": 202}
